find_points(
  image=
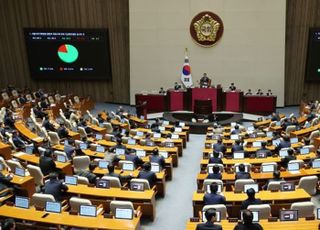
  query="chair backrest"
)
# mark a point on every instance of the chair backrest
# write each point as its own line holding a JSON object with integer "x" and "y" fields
{"x": 13, "y": 164}
{"x": 124, "y": 140}
{"x": 57, "y": 97}
{"x": 108, "y": 126}
{"x": 275, "y": 165}
{"x": 315, "y": 121}
{"x": 313, "y": 135}
{"x": 109, "y": 137}
{"x": 83, "y": 180}
{"x": 5, "y": 96}
{"x": 75, "y": 203}
{"x": 95, "y": 121}
{"x": 308, "y": 183}
{"x": 210, "y": 181}
{"x": 29, "y": 97}
{"x": 57, "y": 152}
{"x": 114, "y": 181}
{"x": 125, "y": 162}
{"x": 36, "y": 173}
{"x": 239, "y": 184}
{"x": 290, "y": 128}
{"x": 54, "y": 138}
{"x": 305, "y": 209}
{"x": 263, "y": 209}
{"x": 219, "y": 208}
{"x": 144, "y": 181}
{"x": 82, "y": 132}
{"x": 76, "y": 99}
{"x": 51, "y": 100}
{"x": 247, "y": 165}
{"x": 14, "y": 104}
{"x": 81, "y": 163}
{"x": 39, "y": 200}
{"x": 274, "y": 185}
{"x": 219, "y": 165}
{"x": 300, "y": 162}
{"x": 120, "y": 204}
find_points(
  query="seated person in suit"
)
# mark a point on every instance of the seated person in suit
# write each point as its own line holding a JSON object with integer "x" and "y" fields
{"x": 17, "y": 140}
{"x": 209, "y": 225}
{"x": 119, "y": 145}
{"x": 275, "y": 117}
{"x": 276, "y": 177}
{"x": 122, "y": 178}
{"x": 242, "y": 174}
{"x": 317, "y": 157}
{"x": 84, "y": 124}
{"x": 247, "y": 222}
{"x": 249, "y": 92}
{"x": 47, "y": 124}
{"x": 263, "y": 151}
{"x": 216, "y": 173}
{"x": 147, "y": 174}
{"x": 69, "y": 149}
{"x": 62, "y": 131}
{"x": 38, "y": 112}
{"x": 236, "y": 130}
{"x": 250, "y": 200}
{"x": 55, "y": 187}
{"x": 284, "y": 161}
{"x": 44, "y": 104}
{"x": 205, "y": 81}
{"x": 5, "y": 182}
{"x": 232, "y": 87}
{"x": 219, "y": 146}
{"x": 285, "y": 143}
{"x": 259, "y": 92}
{"x": 215, "y": 159}
{"x": 131, "y": 156}
{"x": 237, "y": 146}
{"x": 213, "y": 197}
{"x": 8, "y": 224}
{"x": 100, "y": 119}
{"x": 89, "y": 173}
{"x": 46, "y": 163}
{"x": 8, "y": 119}
{"x": 156, "y": 158}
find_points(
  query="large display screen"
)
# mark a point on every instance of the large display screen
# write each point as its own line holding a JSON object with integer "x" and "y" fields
{"x": 68, "y": 54}
{"x": 313, "y": 58}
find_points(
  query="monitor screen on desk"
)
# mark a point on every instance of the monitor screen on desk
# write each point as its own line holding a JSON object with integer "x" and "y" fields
{"x": 267, "y": 168}
{"x": 256, "y": 144}
{"x": 182, "y": 124}
{"x": 177, "y": 130}
{"x": 161, "y": 128}
{"x": 102, "y": 183}
{"x": 53, "y": 207}
{"x": 100, "y": 149}
{"x": 238, "y": 155}
{"x": 140, "y": 153}
{"x": 98, "y": 136}
{"x": 22, "y": 202}
{"x": 316, "y": 164}
{"x": 83, "y": 146}
{"x": 248, "y": 186}
{"x": 66, "y": 142}
{"x": 157, "y": 135}
{"x": 137, "y": 186}
{"x": 218, "y": 216}
{"x": 287, "y": 186}
{"x": 278, "y": 123}
{"x": 120, "y": 151}
{"x": 304, "y": 151}
{"x": 128, "y": 166}
{"x": 318, "y": 213}
{"x": 169, "y": 144}
{"x": 72, "y": 180}
{"x": 294, "y": 140}
{"x": 276, "y": 142}
{"x": 175, "y": 136}
{"x": 155, "y": 168}
{"x": 131, "y": 141}
{"x": 293, "y": 166}
{"x": 103, "y": 164}
{"x": 255, "y": 215}
{"x": 261, "y": 154}
{"x": 88, "y": 210}
{"x": 124, "y": 213}
{"x": 269, "y": 134}
{"x": 288, "y": 215}
{"x": 20, "y": 172}
{"x": 164, "y": 154}
{"x": 283, "y": 152}
{"x": 250, "y": 128}
{"x": 164, "y": 123}
{"x": 29, "y": 149}
{"x": 208, "y": 190}
{"x": 234, "y": 137}
{"x": 139, "y": 134}
{"x": 61, "y": 158}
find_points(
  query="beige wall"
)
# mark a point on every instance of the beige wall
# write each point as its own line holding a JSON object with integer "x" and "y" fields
{"x": 250, "y": 53}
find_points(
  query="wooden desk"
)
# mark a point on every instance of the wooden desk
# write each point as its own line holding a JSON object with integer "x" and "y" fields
{"x": 302, "y": 224}
{"x": 305, "y": 132}
{"x": 27, "y": 183}
{"x": 33, "y": 159}
{"x": 272, "y": 198}
{"x": 74, "y": 135}
{"x": 98, "y": 129}
{"x": 144, "y": 199}
{"x": 5, "y": 151}
{"x": 66, "y": 219}
{"x": 24, "y": 131}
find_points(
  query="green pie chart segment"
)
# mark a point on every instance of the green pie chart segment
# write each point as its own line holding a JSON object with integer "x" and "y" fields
{"x": 68, "y": 53}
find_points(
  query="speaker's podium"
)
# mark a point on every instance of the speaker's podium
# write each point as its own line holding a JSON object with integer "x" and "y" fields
{"x": 202, "y": 94}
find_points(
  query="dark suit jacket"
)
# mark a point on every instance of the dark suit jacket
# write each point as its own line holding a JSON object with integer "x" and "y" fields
{"x": 47, "y": 165}
{"x": 265, "y": 151}
{"x": 62, "y": 132}
{"x": 18, "y": 142}
{"x": 211, "y": 198}
{"x": 252, "y": 226}
{"x": 219, "y": 147}
{"x": 214, "y": 160}
{"x": 135, "y": 159}
{"x": 284, "y": 144}
{"x": 217, "y": 176}
{"x": 55, "y": 188}
{"x": 149, "y": 176}
{"x": 284, "y": 161}
{"x": 243, "y": 175}
{"x": 248, "y": 202}
{"x": 158, "y": 159}
{"x": 4, "y": 181}
{"x": 208, "y": 226}
{"x": 48, "y": 125}
{"x": 236, "y": 147}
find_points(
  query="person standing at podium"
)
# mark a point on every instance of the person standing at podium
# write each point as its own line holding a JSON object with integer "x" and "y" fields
{"x": 205, "y": 82}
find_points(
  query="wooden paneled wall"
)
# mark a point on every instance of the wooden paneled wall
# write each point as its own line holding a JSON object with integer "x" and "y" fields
{"x": 301, "y": 15}
{"x": 112, "y": 14}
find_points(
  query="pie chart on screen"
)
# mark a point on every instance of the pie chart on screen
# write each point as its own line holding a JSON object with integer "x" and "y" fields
{"x": 68, "y": 53}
